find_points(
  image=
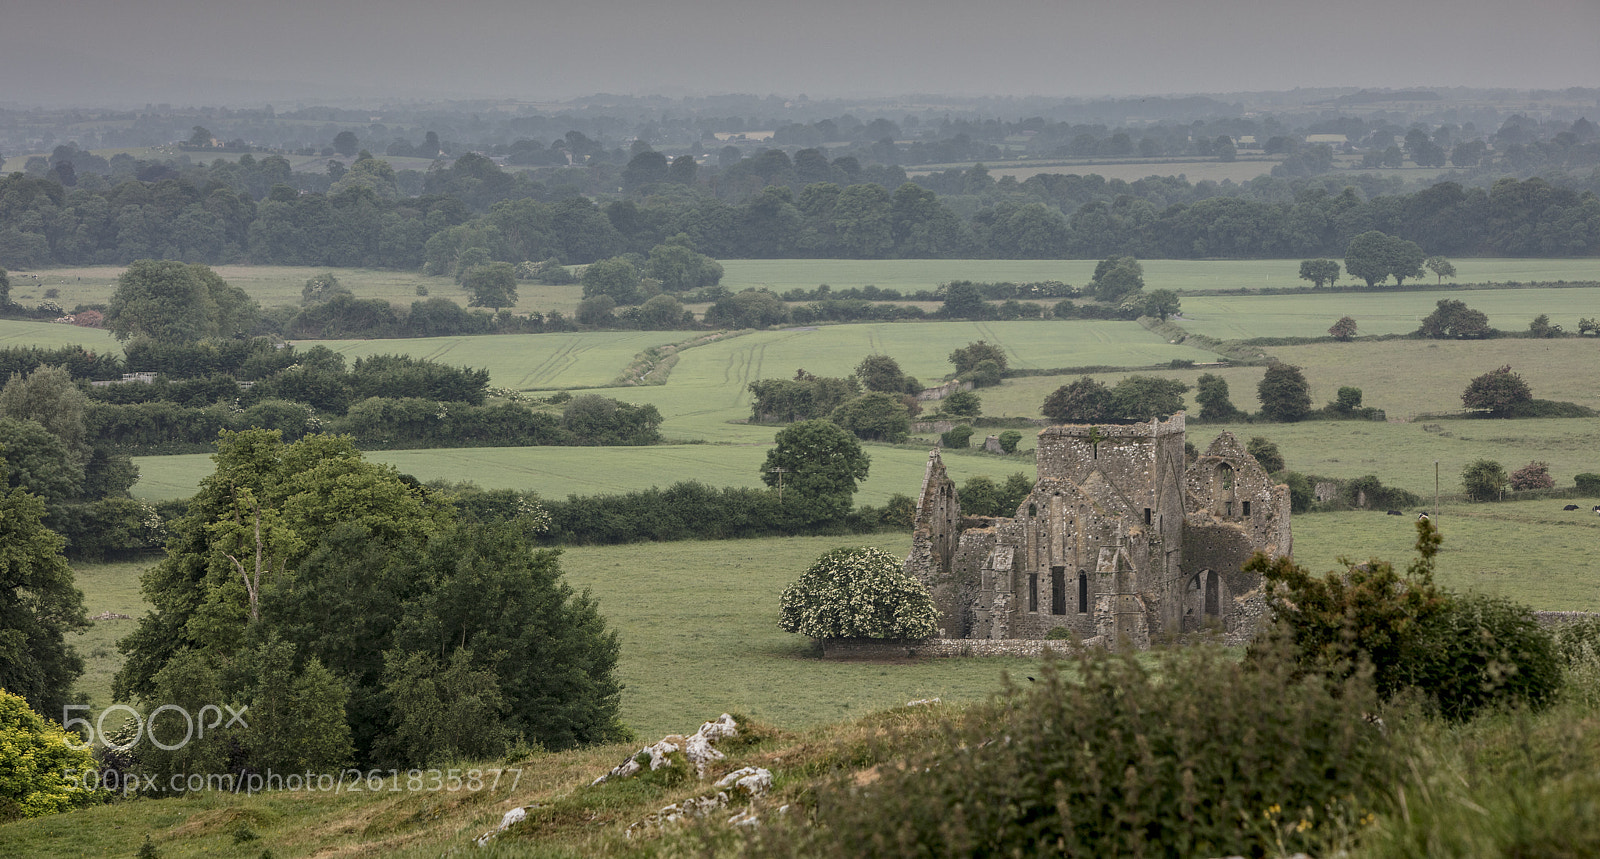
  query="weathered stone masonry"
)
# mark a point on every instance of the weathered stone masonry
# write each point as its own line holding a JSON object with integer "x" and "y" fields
{"x": 1120, "y": 538}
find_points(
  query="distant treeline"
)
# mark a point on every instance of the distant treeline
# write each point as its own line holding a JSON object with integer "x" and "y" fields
{"x": 384, "y": 402}
{"x": 473, "y": 208}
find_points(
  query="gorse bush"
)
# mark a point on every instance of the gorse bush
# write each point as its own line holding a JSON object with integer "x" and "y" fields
{"x": 1462, "y": 653}
{"x": 1193, "y": 755}
{"x": 37, "y": 759}
{"x": 858, "y": 593}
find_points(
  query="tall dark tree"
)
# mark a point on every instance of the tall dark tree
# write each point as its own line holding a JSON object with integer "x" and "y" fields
{"x": 1081, "y": 402}
{"x": 1116, "y": 278}
{"x": 883, "y": 373}
{"x": 345, "y": 143}
{"x": 1211, "y": 392}
{"x": 1284, "y": 393}
{"x": 39, "y": 605}
{"x": 1321, "y": 272}
{"x": 493, "y": 285}
{"x": 818, "y": 465}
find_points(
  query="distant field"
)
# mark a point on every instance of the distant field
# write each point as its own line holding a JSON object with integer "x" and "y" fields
{"x": 1529, "y": 551}
{"x": 1309, "y": 315}
{"x": 523, "y": 361}
{"x": 1402, "y": 377}
{"x": 557, "y": 472}
{"x": 912, "y": 275}
{"x": 1403, "y": 454}
{"x": 17, "y": 332}
{"x": 280, "y": 285}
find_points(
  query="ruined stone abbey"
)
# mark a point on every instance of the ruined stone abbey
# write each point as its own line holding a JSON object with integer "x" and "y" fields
{"x": 1120, "y": 538}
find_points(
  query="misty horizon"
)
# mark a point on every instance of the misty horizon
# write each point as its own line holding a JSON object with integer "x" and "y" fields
{"x": 181, "y": 52}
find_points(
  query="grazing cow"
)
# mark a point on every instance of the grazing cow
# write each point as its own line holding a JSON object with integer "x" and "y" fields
{"x": 1396, "y": 513}
{"x": 1422, "y": 517}
{"x": 1597, "y": 508}
{"x": 1570, "y": 507}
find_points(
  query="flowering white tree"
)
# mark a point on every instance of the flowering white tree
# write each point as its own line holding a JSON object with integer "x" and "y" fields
{"x": 858, "y": 593}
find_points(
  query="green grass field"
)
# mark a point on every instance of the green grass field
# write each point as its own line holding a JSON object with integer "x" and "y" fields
{"x": 523, "y": 361}
{"x": 1405, "y": 378}
{"x": 51, "y": 335}
{"x": 556, "y": 472}
{"x": 912, "y": 275}
{"x": 280, "y": 285}
{"x": 698, "y": 619}
{"x": 1246, "y": 316}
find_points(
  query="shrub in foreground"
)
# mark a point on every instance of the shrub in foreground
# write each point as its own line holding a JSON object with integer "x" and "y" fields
{"x": 1462, "y": 653}
{"x": 37, "y": 759}
{"x": 1193, "y": 755}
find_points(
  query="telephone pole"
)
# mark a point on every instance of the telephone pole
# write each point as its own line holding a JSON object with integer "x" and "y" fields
{"x": 780, "y": 471}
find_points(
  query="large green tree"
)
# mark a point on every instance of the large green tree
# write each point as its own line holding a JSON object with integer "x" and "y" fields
{"x": 1117, "y": 278}
{"x": 818, "y": 465}
{"x": 968, "y": 357}
{"x": 493, "y": 285}
{"x": 1141, "y": 398}
{"x": 883, "y": 373}
{"x": 1284, "y": 393}
{"x": 1321, "y": 272}
{"x": 1498, "y": 392}
{"x": 680, "y": 268}
{"x": 358, "y": 571}
{"x": 615, "y": 277}
{"x": 39, "y": 605}
{"x": 1374, "y": 257}
{"x": 1084, "y": 401}
{"x": 875, "y": 416}
{"x": 1211, "y": 392}
{"x": 1453, "y": 319}
{"x": 170, "y": 301}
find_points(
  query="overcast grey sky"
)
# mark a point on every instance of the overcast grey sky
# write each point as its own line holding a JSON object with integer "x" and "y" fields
{"x": 194, "y": 52}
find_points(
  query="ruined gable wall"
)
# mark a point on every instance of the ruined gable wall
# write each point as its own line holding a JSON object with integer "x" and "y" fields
{"x": 1226, "y": 484}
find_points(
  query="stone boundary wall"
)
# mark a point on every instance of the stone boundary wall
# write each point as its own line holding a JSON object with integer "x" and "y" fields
{"x": 939, "y": 392}
{"x": 877, "y": 648}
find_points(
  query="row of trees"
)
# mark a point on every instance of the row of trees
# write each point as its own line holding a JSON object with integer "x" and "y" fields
{"x": 363, "y": 223}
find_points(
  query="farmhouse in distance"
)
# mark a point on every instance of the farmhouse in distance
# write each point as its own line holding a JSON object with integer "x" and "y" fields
{"x": 1120, "y": 538}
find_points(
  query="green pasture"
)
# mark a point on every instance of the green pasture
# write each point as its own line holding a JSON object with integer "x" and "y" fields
{"x": 523, "y": 361}
{"x": 1529, "y": 551}
{"x": 1403, "y": 454}
{"x": 913, "y": 275}
{"x": 698, "y": 619}
{"x": 112, "y": 588}
{"x": 699, "y": 629}
{"x": 280, "y": 285}
{"x": 556, "y": 472}
{"x": 1405, "y": 378}
{"x": 1237, "y": 317}
{"x": 709, "y": 386}
{"x": 51, "y": 335}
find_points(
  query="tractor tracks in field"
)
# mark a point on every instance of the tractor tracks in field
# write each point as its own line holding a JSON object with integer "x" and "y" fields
{"x": 653, "y": 366}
